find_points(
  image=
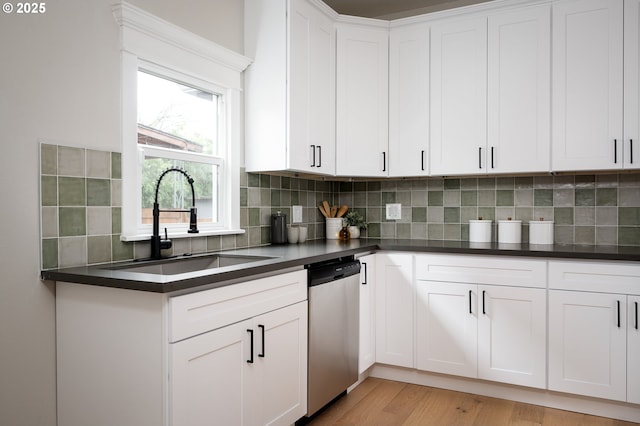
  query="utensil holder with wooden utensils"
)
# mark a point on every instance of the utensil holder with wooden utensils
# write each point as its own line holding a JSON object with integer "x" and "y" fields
{"x": 333, "y": 216}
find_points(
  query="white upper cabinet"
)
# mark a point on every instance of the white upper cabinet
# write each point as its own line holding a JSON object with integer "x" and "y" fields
{"x": 362, "y": 98}
{"x": 290, "y": 86}
{"x": 490, "y": 93}
{"x": 631, "y": 144}
{"x": 519, "y": 91}
{"x": 458, "y": 96}
{"x": 587, "y": 85}
{"x": 409, "y": 100}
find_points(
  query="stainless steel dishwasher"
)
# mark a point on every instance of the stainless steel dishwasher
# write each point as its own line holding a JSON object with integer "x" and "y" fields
{"x": 333, "y": 330}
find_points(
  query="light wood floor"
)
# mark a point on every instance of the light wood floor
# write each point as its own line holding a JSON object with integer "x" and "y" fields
{"x": 382, "y": 402}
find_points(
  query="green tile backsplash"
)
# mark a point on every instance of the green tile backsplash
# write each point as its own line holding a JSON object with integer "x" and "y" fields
{"x": 81, "y": 207}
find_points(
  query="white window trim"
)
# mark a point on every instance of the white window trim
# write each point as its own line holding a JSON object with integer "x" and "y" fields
{"x": 147, "y": 39}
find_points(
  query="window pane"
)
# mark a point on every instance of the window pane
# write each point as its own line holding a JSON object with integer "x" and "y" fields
{"x": 177, "y": 116}
{"x": 175, "y": 191}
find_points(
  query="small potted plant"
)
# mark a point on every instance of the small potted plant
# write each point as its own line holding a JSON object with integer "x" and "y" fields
{"x": 355, "y": 221}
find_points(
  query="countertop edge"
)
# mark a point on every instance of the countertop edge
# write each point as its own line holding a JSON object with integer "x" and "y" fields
{"x": 319, "y": 251}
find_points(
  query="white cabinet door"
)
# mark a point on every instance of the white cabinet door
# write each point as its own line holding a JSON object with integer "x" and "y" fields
{"x": 208, "y": 378}
{"x": 362, "y": 100}
{"x": 587, "y": 84}
{"x": 394, "y": 309}
{"x": 519, "y": 91}
{"x": 409, "y": 101}
{"x": 631, "y": 144}
{"x": 250, "y": 373}
{"x": 280, "y": 356}
{"x": 512, "y": 335}
{"x": 633, "y": 350}
{"x": 458, "y": 96}
{"x": 311, "y": 111}
{"x": 367, "y": 353}
{"x": 290, "y": 87}
{"x": 447, "y": 328}
{"x": 587, "y": 344}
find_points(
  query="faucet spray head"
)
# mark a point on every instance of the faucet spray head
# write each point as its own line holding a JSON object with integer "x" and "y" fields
{"x": 193, "y": 221}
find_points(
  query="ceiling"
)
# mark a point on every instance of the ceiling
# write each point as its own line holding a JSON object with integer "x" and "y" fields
{"x": 394, "y": 9}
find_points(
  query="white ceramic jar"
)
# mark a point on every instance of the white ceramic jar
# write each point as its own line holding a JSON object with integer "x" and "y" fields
{"x": 541, "y": 232}
{"x": 480, "y": 230}
{"x": 509, "y": 231}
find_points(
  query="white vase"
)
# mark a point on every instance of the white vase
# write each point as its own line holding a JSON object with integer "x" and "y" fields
{"x": 354, "y": 231}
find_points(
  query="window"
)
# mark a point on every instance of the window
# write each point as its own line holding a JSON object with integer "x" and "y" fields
{"x": 180, "y": 108}
{"x": 179, "y": 125}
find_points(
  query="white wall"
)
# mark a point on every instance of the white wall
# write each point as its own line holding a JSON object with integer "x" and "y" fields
{"x": 59, "y": 81}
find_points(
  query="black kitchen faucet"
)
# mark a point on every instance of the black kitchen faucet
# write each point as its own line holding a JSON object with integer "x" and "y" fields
{"x": 158, "y": 244}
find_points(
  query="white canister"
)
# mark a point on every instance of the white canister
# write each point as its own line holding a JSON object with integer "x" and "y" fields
{"x": 480, "y": 231}
{"x": 302, "y": 234}
{"x": 292, "y": 234}
{"x": 541, "y": 232}
{"x": 333, "y": 227}
{"x": 510, "y": 231}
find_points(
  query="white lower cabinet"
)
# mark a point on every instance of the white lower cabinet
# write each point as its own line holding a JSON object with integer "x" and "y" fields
{"x": 594, "y": 340}
{"x": 492, "y": 332}
{"x": 394, "y": 309}
{"x": 367, "y": 312}
{"x": 587, "y": 344}
{"x": 633, "y": 349}
{"x": 128, "y": 357}
{"x": 249, "y": 373}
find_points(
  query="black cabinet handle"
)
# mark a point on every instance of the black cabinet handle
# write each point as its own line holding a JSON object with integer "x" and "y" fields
{"x": 470, "y": 310}
{"x": 636, "y": 303}
{"x": 615, "y": 151}
{"x": 364, "y": 264}
{"x": 618, "y": 303}
{"x": 250, "y": 360}
{"x": 479, "y": 157}
{"x": 484, "y": 312}
{"x": 492, "y": 157}
{"x": 319, "y": 156}
{"x": 422, "y": 160}
{"x": 630, "y": 151}
{"x": 261, "y": 327}
{"x": 384, "y": 161}
{"x": 313, "y": 155}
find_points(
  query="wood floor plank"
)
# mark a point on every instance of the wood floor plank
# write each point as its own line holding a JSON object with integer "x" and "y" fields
{"x": 370, "y": 411}
{"x": 379, "y": 402}
{"x": 331, "y": 415}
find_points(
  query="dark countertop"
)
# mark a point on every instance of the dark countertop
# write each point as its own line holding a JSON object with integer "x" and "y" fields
{"x": 282, "y": 257}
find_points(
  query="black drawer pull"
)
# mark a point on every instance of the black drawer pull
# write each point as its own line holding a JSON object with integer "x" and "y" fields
{"x": 618, "y": 303}
{"x": 470, "y": 310}
{"x": 484, "y": 312}
{"x": 364, "y": 264}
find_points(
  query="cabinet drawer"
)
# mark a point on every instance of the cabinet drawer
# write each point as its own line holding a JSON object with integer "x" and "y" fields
{"x": 494, "y": 270}
{"x": 601, "y": 277}
{"x": 207, "y": 310}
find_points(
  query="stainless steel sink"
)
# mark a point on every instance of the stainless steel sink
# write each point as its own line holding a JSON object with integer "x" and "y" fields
{"x": 187, "y": 264}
